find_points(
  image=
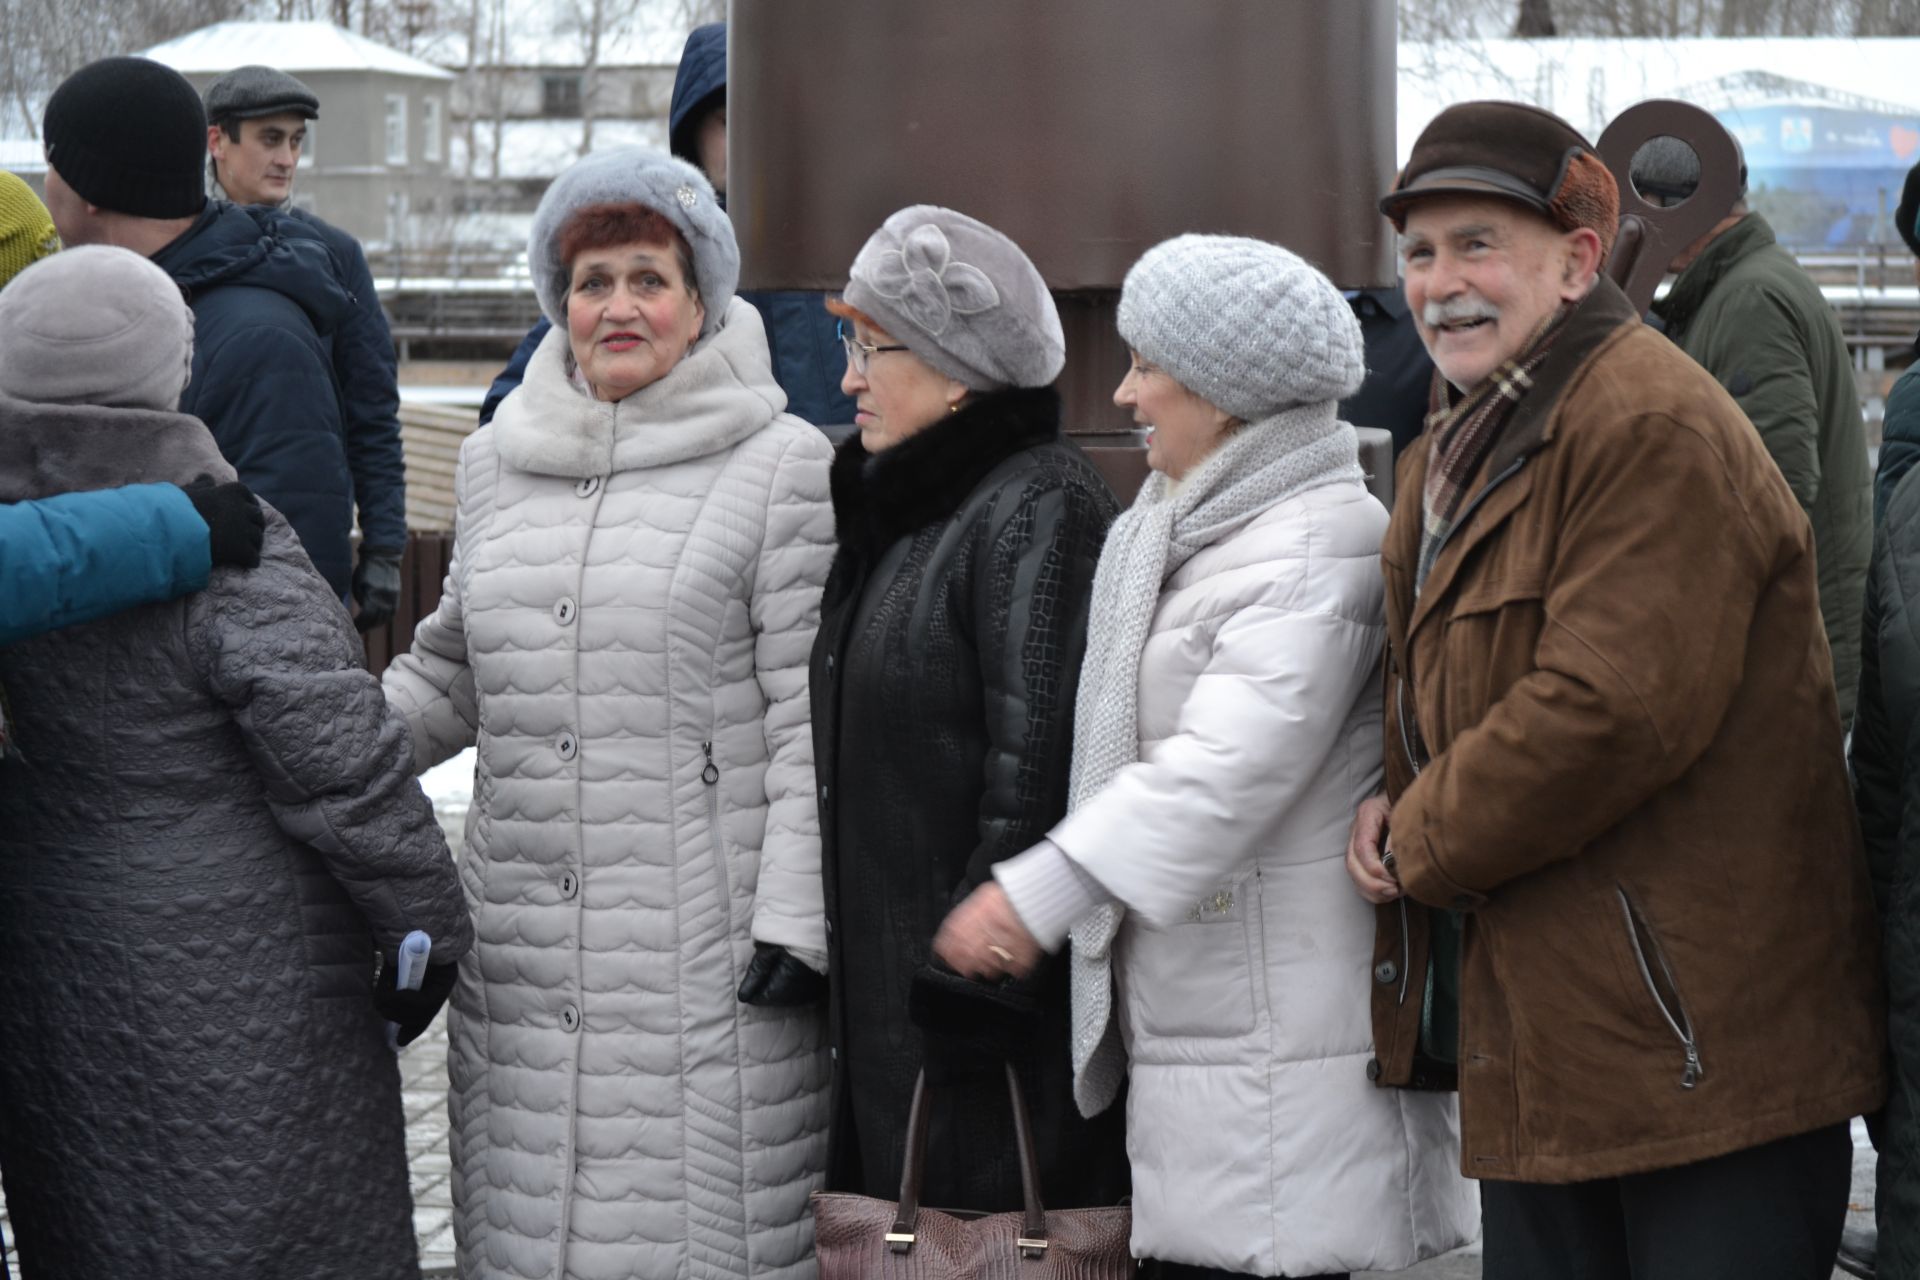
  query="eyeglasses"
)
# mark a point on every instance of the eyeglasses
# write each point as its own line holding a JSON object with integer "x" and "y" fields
{"x": 858, "y": 352}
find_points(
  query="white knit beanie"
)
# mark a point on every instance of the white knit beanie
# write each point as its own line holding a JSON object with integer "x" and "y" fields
{"x": 95, "y": 325}
{"x": 1246, "y": 325}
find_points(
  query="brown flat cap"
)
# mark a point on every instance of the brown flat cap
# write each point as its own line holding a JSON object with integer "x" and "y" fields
{"x": 1510, "y": 151}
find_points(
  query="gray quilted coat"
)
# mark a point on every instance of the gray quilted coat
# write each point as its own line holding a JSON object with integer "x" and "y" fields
{"x": 625, "y": 631}
{"x": 211, "y": 824}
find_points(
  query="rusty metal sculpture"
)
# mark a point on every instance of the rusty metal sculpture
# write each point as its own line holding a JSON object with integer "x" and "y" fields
{"x": 1651, "y": 235}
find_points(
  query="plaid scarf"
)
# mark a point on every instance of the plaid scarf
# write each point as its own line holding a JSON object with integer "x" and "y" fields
{"x": 1461, "y": 434}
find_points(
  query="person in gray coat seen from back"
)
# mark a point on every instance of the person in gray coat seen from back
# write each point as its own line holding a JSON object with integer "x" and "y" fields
{"x": 209, "y": 834}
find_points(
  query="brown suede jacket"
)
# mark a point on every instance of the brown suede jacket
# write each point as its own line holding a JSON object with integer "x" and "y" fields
{"x": 1635, "y": 790}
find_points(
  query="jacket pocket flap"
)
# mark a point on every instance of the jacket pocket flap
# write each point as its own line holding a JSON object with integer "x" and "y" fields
{"x": 1492, "y": 595}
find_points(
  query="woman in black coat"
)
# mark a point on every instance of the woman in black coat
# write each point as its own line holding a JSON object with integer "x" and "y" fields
{"x": 943, "y": 685}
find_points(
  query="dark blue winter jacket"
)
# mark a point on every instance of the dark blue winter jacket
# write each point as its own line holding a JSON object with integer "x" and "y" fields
{"x": 265, "y": 302}
{"x": 364, "y": 366}
{"x": 81, "y": 556}
{"x": 802, "y": 337}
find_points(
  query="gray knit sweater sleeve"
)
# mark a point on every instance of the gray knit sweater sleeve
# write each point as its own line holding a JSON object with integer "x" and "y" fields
{"x": 1049, "y": 892}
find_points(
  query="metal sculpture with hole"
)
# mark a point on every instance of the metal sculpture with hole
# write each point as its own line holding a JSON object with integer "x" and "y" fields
{"x": 1650, "y": 235}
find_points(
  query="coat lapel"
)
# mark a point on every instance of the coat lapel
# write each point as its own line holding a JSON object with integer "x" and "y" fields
{"x": 1504, "y": 483}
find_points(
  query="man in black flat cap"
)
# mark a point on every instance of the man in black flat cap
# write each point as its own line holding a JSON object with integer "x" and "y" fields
{"x": 256, "y": 128}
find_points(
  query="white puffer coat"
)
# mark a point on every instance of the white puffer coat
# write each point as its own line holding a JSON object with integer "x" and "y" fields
{"x": 1243, "y": 965}
{"x": 626, "y": 626}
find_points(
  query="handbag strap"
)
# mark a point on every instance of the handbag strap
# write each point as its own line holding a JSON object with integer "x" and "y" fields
{"x": 1032, "y": 1242}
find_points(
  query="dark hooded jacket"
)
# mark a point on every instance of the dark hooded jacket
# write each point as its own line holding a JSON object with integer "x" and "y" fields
{"x": 802, "y": 337}
{"x": 1886, "y": 772}
{"x": 266, "y": 300}
{"x": 943, "y": 681}
{"x": 364, "y": 365}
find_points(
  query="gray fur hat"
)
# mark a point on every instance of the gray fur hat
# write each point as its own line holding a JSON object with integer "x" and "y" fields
{"x": 95, "y": 325}
{"x": 672, "y": 188}
{"x": 1246, "y": 325}
{"x": 962, "y": 296}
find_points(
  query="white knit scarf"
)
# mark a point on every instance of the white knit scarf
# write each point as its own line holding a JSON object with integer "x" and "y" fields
{"x": 1264, "y": 463}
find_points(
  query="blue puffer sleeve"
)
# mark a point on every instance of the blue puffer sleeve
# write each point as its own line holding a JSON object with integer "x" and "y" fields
{"x": 81, "y": 556}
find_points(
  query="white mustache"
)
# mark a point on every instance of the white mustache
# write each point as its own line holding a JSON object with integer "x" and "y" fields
{"x": 1456, "y": 310}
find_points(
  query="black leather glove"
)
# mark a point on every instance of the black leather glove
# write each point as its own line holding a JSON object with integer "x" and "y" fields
{"x": 235, "y": 524}
{"x": 412, "y": 1011}
{"x": 775, "y": 979}
{"x": 376, "y": 586}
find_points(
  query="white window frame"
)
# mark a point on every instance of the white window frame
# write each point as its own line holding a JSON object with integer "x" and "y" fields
{"x": 396, "y": 124}
{"x": 432, "y": 114}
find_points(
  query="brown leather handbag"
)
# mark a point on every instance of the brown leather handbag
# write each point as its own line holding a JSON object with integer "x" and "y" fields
{"x": 860, "y": 1238}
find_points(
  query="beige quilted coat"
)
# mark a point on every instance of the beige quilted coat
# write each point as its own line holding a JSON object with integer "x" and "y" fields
{"x": 625, "y": 631}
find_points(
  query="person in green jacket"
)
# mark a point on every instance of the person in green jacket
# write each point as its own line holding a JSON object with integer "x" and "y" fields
{"x": 1745, "y": 311}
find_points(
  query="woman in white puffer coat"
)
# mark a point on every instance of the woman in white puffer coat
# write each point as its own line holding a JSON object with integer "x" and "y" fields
{"x": 1228, "y": 722}
{"x": 637, "y": 1061}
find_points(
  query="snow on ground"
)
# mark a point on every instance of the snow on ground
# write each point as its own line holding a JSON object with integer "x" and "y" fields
{"x": 449, "y": 786}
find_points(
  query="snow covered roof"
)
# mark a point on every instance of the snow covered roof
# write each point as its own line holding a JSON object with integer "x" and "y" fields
{"x": 294, "y": 47}
{"x": 542, "y": 148}
{"x": 1590, "y": 81}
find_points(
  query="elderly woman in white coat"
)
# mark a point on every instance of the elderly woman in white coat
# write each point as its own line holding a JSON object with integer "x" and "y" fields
{"x": 637, "y": 1061}
{"x": 1228, "y": 722}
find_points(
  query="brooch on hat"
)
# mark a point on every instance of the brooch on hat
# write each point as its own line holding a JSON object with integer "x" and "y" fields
{"x": 687, "y": 196}
{"x": 924, "y": 280}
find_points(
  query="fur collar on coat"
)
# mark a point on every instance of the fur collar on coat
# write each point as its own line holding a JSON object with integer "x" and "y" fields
{"x": 878, "y": 498}
{"x": 48, "y": 449}
{"x": 721, "y": 392}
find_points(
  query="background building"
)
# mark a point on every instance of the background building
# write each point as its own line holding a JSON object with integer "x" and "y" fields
{"x": 377, "y": 161}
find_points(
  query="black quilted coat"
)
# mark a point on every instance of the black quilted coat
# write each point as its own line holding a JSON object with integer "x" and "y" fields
{"x": 211, "y": 825}
{"x": 1886, "y": 771}
{"x": 943, "y": 684}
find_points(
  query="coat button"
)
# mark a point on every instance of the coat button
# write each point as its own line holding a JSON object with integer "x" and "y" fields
{"x": 570, "y": 1018}
{"x": 588, "y": 487}
{"x": 569, "y": 885}
{"x": 563, "y": 610}
{"x": 823, "y": 793}
{"x": 567, "y": 745}
{"x": 1373, "y": 1068}
{"x": 1386, "y": 971}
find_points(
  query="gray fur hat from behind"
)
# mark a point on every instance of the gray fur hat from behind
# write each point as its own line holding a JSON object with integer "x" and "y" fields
{"x": 672, "y": 188}
{"x": 962, "y": 296}
{"x": 1246, "y": 325}
{"x": 95, "y": 325}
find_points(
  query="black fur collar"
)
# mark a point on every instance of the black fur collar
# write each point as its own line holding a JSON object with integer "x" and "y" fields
{"x": 924, "y": 479}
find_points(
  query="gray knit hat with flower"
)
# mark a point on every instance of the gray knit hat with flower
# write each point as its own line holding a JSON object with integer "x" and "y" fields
{"x": 1246, "y": 325}
{"x": 962, "y": 296}
{"x": 95, "y": 325}
{"x": 636, "y": 175}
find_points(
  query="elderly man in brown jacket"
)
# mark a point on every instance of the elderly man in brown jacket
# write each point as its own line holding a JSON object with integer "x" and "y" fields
{"x": 1621, "y": 888}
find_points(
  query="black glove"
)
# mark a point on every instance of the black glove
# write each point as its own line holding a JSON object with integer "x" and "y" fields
{"x": 376, "y": 586}
{"x": 235, "y": 524}
{"x": 412, "y": 1011}
{"x": 775, "y": 979}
